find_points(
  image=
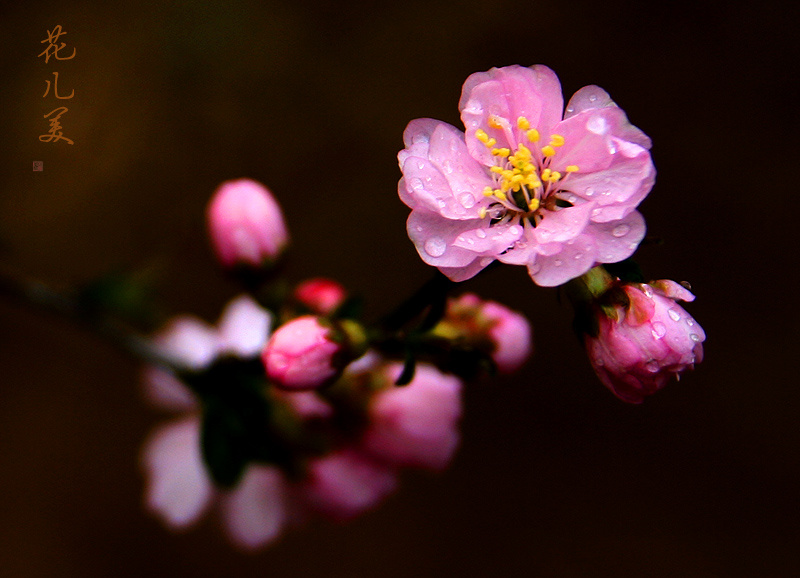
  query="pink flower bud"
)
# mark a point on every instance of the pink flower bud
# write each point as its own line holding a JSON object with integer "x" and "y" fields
{"x": 301, "y": 354}
{"x": 416, "y": 424}
{"x": 345, "y": 483}
{"x": 650, "y": 341}
{"x": 245, "y": 224}
{"x": 476, "y": 321}
{"x": 321, "y": 296}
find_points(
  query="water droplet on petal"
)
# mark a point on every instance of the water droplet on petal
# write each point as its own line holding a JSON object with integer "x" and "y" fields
{"x": 441, "y": 204}
{"x": 467, "y": 200}
{"x": 515, "y": 230}
{"x": 612, "y": 148}
{"x": 480, "y": 233}
{"x": 597, "y": 125}
{"x": 690, "y": 322}
{"x": 652, "y": 366}
{"x": 570, "y": 109}
{"x": 592, "y": 98}
{"x": 674, "y": 315}
{"x": 694, "y": 337}
{"x": 659, "y": 330}
{"x": 520, "y": 245}
{"x": 558, "y": 262}
{"x": 578, "y": 256}
{"x": 589, "y": 192}
{"x": 596, "y": 212}
{"x": 435, "y": 246}
{"x": 470, "y": 241}
{"x": 420, "y": 165}
{"x": 648, "y": 291}
{"x": 621, "y": 230}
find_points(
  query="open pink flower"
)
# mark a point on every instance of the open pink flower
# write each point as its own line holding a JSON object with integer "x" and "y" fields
{"x": 649, "y": 342}
{"x": 524, "y": 185}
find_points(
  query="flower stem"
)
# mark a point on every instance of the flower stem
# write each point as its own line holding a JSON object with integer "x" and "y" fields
{"x": 38, "y": 295}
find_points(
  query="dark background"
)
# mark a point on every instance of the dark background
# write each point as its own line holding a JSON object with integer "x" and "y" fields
{"x": 556, "y": 477}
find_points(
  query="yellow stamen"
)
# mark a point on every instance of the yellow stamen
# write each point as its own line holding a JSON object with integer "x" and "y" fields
{"x": 548, "y": 151}
{"x": 490, "y": 143}
{"x": 533, "y": 135}
{"x": 494, "y": 122}
{"x": 555, "y": 177}
{"x": 488, "y": 192}
{"x": 502, "y": 152}
{"x": 546, "y": 174}
{"x": 496, "y": 169}
{"x": 572, "y": 169}
{"x": 500, "y": 195}
{"x": 556, "y": 140}
{"x": 523, "y": 124}
{"x": 533, "y": 205}
{"x": 482, "y": 213}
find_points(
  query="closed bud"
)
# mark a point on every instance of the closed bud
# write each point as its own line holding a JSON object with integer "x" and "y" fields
{"x": 246, "y": 225}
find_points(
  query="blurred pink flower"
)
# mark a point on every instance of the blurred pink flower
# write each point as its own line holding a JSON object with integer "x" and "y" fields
{"x": 345, "y": 483}
{"x": 523, "y": 185}
{"x": 179, "y": 489}
{"x": 300, "y": 354}
{"x": 416, "y": 424}
{"x": 246, "y": 224}
{"x": 321, "y": 296}
{"x": 650, "y": 341}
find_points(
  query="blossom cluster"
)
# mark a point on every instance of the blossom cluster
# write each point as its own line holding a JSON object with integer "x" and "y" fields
{"x": 293, "y": 406}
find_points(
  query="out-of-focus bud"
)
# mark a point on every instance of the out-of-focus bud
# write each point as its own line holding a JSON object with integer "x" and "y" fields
{"x": 506, "y": 333}
{"x": 638, "y": 348}
{"x": 321, "y": 296}
{"x": 415, "y": 425}
{"x": 345, "y": 483}
{"x": 246, "y": 225}
{"x": 309, "y": 352}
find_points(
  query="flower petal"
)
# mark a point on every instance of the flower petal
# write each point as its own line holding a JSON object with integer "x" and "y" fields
{"x": 617, "y": 240}
{"x": 178, "y": 487}
{"x": 165, "y": 391}
{"x": 434, "y": 237}
{"x": 590, "y": 97}
{"x": 563, "y": 224}
{"x": 244, "y": 327}
{"x": 254, "y": 513}
{"x": 575, "y": 258}
{"x": 189, "y": 340}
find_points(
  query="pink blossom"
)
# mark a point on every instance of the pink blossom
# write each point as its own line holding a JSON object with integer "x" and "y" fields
{"x": 321, "y": 296}
{"x": 470, "y": 318}
{"x": 245, "y": 224}
{"x": 301, "y": 354}
{"x": 416, "y": 424}
{"x": 179, "y": 489}
{"x": 345, "y": 483}
{"x": 524, "y": 185}
{"x": 650, "y": 341}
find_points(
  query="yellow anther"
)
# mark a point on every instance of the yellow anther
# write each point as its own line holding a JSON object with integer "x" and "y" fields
{"x": 517, "y": 179}
{"x": 502, "y": 152}
{"x": 500, "y": 195}
{"x": 533, "y": 135}
{"x": 533, "y": 205}
{"x": 507, "y": 174}
{"x": 555, "y": 177}
{"x": 548, "y": 151}
{"x": 556, "y": 140}
{"x": 490, "y": 143}
{"x": 523, "y": 124}
{"x": 496, "y": 169}
{"x": 494, "y": 122}
{"x": 481, "y": 135}
{"x": 572, "y": 169}
{"x": 488, "y": 192}
{"x": 546, "y": 174}
{"x": 482, "y": 213}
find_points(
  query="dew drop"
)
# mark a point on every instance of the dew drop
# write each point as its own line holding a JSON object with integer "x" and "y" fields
{"x": 558, "y": 262}
{"x": 652, "y": 366}
{"x": 597, "y": 125}
{"x": 572, "y": 198}
{"x": 592, "y": 98}
{"x": 570, "y": 109}
{"x": 515, "y": 230}
{"x": 448, "y": 167}
{"x": 420, "y": 165}
{"x": 520, "y": 245}
{"x": 621, "y": 230}
{"x": 612, "y": 148}
{"x": 417, "y": 184}
{"x": 467, "y": 200}
{"x": 441, "y": 204}
{"x": 418, "y": 228}
{"x": 648, "y": 292}
{"x": 659, "y": 330}
{"x": 674, "y": 315}
{"x": 435, "y": 246}
{"x": 694, "y": 337}
{"x": 480, "y": 233}
{"x": 470, "y": 241}
{"x": 589, "y": 192}
{"x": 578, "y": 256}
{"x": 690, "y": 322}
{"x": 596, "y": 212}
